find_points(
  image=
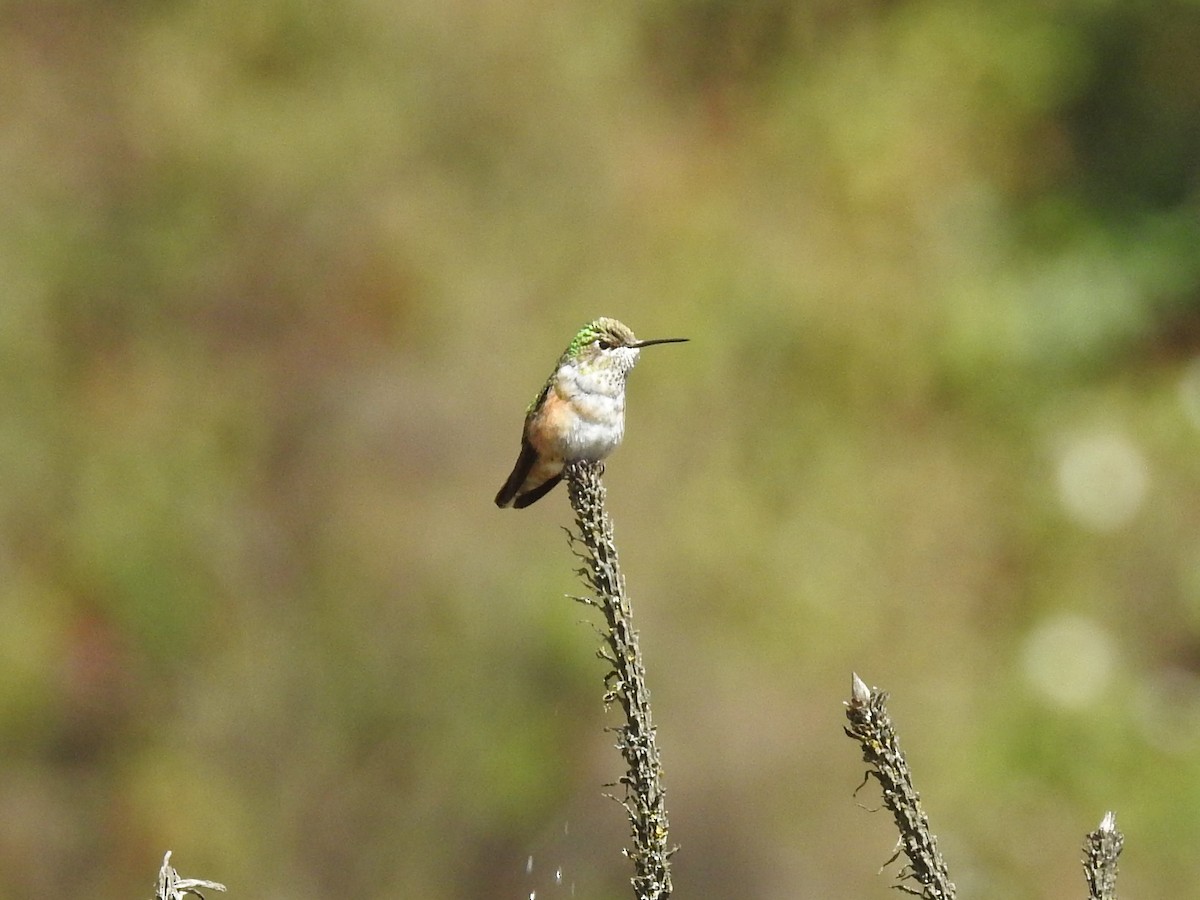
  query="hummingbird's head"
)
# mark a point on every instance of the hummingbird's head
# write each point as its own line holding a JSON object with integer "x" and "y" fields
{"x": 608, "y": 344}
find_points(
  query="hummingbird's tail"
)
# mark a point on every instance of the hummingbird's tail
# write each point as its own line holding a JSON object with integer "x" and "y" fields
{"x": 520, "y": 472}
{"x": 537, "y": 493}
{"x": 511, "y": 493}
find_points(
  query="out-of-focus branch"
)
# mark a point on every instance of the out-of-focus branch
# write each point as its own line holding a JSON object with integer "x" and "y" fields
{"x": 1100, "y": 851}
{"x": 172, "y": 887}
{"x": 644, "y": 799}
{"x": 871, "y": 727}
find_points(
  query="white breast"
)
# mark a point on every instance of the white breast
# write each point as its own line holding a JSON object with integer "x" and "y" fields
{"x": 597, "y": 397}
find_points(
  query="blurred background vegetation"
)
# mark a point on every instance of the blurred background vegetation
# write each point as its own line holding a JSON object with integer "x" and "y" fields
{"x": 279, "y": 279}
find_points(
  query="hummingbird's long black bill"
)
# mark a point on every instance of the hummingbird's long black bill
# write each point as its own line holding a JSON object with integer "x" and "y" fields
{"x": 659, "y": 341}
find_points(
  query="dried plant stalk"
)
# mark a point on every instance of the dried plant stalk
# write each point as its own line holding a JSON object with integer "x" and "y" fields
{"x": 871, "y": 727}
{"x": 1100, "y": 851}
{"x": 172, "y": 887}
{"x": 625, "y": 683}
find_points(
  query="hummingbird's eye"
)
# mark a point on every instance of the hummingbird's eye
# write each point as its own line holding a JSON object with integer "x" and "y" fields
{"x": 603, "y": 344}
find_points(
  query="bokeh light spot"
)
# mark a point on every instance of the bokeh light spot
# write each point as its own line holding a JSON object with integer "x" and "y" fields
{"x": 1102, "y": 480}
{"x": 1069, "y": 660}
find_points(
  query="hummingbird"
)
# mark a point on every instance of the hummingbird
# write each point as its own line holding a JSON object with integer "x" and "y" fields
{"x": 580, "y": 411}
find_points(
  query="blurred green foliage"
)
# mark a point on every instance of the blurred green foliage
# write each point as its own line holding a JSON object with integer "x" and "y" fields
{"x": 279, "y": 279}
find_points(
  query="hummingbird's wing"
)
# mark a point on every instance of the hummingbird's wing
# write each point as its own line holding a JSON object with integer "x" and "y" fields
{"x": 519, "y": 473}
